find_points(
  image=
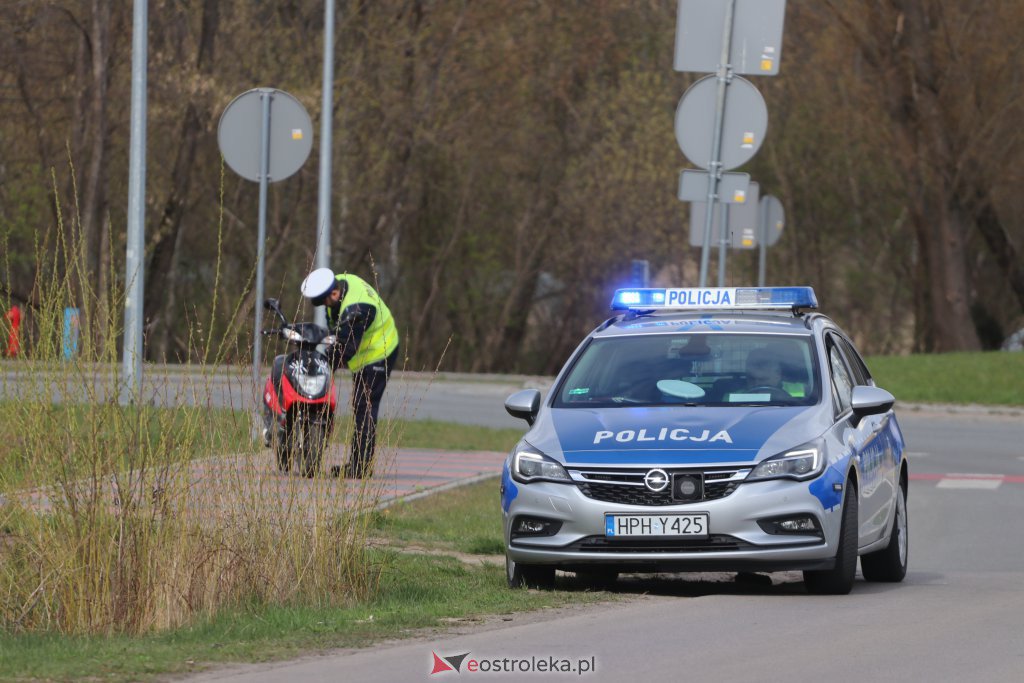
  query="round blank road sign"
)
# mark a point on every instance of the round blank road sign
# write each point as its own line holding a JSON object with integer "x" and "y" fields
{"x": 774, "y": 217}
{"x": 291, "y": 134}
{"x": 743, "y": 127}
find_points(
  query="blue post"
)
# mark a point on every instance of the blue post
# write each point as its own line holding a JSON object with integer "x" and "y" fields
{"x": 639, "y": 273}
{"x": 71, "y": 328}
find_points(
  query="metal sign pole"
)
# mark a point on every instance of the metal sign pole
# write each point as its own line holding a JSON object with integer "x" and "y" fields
{"x": 723, "y": 243}
{"x": 323, "y": 217}
{"x": 762, "y": 238}
{"x": 715, "y": 167}
{"x": 134, "y": 259}
{"x": 266, "y": 95}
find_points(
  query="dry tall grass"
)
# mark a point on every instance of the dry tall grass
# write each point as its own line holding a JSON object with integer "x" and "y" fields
{"x": 120, "y": 519}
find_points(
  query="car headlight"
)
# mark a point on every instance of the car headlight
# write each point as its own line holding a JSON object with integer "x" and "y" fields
{"x": 803, "y": 462}
{"x": 311, "y": 385}
{"x": 529, "y": 464}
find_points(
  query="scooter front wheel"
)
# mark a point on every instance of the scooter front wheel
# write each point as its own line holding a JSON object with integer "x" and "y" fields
{"x": 285, "y": 445}
{"x": 284, "y": 455}
{"x": 313, "y": 447}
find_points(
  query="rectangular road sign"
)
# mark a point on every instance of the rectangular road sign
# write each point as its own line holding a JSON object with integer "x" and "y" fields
{"x": 732, "y": 188}
{"x": 756, "y": 46}
{"x": 742, "y": 222}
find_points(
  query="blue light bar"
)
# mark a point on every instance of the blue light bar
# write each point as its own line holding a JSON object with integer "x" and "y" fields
{"x": 625, "y": 299}
{"x": 717, "y": 298}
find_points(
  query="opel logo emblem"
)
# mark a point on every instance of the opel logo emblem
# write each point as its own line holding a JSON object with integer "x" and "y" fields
{"x": 656, "y": 480}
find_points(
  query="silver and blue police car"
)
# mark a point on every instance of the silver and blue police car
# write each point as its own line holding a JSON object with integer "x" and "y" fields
{"x": 712, "y": 429}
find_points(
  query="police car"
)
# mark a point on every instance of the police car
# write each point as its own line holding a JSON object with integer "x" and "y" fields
{"x": 712, "y": 429}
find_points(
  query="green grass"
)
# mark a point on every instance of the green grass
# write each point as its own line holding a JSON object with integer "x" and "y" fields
{"x": 990, "y": 378}
{"x": 29, "y": 428}
{"x": 415, "y": 592}
{"x": 467, "y": 519}
{"x": 447, "y": 435}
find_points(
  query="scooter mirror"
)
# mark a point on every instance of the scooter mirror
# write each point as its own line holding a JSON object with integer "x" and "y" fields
{"x": 275, "y": 306}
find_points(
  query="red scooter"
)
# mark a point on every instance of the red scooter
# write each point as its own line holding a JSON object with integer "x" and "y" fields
{"x": 298, "y": 398}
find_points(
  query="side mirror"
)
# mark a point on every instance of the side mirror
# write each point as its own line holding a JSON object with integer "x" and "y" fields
{"x": 871, "y": 401}
{"x": 275, "y": 306}
{"x": 524, "y": 404}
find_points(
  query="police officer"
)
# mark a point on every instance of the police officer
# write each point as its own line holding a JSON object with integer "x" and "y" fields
{"x": 764, "y": 369}
{"x": 367, "y": 344}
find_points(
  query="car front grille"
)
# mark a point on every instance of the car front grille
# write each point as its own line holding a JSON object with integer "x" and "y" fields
{"x": 711, "y": 544}
{"x": 626, "y": 487}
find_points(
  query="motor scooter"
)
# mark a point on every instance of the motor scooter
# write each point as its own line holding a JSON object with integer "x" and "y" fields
{"x": 299, "y": 398}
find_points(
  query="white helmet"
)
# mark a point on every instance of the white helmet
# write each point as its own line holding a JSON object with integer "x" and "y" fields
{"x": 318, "y": 284}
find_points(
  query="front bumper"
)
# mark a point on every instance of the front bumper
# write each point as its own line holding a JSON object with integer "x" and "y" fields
{"x": 735, "y": 541}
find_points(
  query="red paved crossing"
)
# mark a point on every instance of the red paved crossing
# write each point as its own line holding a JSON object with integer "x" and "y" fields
{"x": 243, "y": 483}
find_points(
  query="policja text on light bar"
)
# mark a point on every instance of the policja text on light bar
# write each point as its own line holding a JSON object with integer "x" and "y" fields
{"x": 703, "y": 298}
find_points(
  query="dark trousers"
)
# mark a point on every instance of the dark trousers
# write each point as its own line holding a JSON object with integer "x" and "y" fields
{"x": 367, "y": 391}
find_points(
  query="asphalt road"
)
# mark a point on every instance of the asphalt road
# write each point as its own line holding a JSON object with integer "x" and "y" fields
{"x": 470, "y": 399}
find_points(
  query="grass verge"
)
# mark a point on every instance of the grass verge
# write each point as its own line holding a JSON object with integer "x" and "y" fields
{"x": 989, "y": 378}
{"x": 415, "y": 592}
{"x": 467, "y": 520}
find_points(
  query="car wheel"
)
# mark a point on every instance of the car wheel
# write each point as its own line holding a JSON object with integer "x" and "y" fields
{"x": 839, "y": 579}
{"x": 890, "y": 563}
{"x": 528, "y": 575}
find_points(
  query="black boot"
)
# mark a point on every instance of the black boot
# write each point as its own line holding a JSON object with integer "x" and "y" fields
{"x": 357, "y": 470}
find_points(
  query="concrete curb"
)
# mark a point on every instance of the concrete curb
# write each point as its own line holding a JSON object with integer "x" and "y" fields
{"x": 960, "y": 409}
{"x": 436, "y": 489}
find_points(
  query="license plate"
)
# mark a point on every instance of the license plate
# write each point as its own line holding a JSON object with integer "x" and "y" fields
{"x": 694, "y": 524}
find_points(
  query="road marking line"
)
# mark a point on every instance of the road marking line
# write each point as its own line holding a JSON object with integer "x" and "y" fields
{"x": 937, "y": 476}
{"x": 916, "y": 454}
{"x": 970, "y": 475}
{"x": 988, "y": 483}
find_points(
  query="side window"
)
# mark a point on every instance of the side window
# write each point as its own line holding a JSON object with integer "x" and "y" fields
{"x": 841, "y": 380}
{"x": 860, "y": 371}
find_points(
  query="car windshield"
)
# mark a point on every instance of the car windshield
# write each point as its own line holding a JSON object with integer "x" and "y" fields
{"x": 693, "y": 369}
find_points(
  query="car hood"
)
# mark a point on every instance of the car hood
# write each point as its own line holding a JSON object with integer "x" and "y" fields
{"x": 670, "y": 435}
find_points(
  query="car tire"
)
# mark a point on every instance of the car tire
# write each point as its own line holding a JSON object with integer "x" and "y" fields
{"x": 890, "y": 563}
{"x": 528, "y": 575}
{"x": 839, "y": 579}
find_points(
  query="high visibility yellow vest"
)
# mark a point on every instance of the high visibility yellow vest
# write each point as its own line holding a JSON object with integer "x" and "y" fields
{"x": 381, "y": 337}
